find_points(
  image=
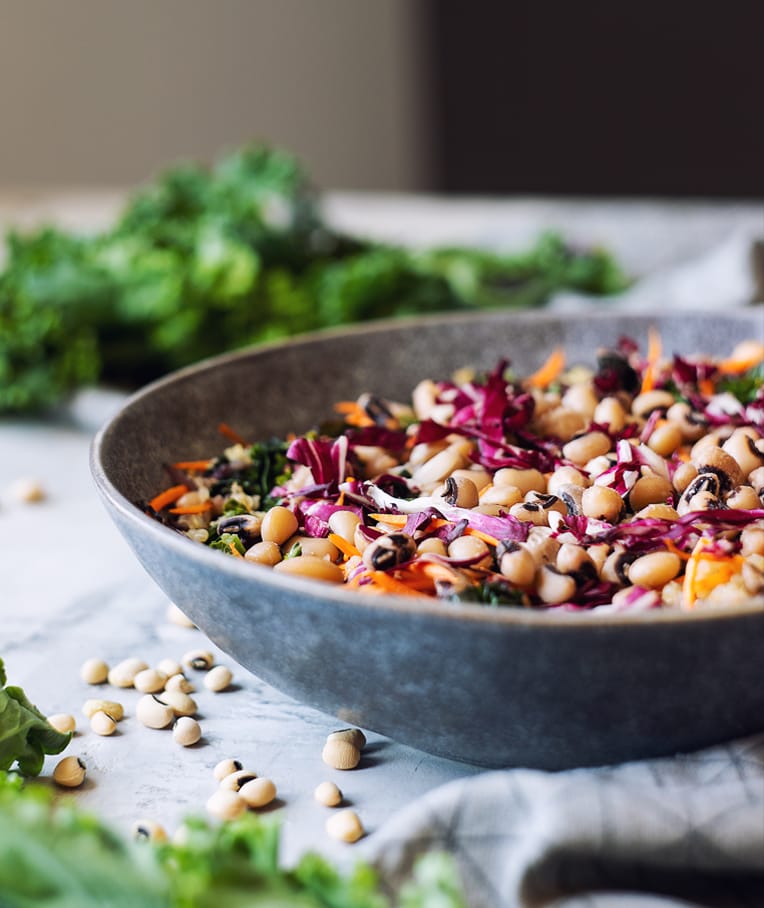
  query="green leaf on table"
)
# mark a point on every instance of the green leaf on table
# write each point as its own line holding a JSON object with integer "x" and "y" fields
{"x": 25, "y": 735}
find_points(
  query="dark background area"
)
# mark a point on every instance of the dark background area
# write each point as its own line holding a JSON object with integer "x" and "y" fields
{"x": 598, "y": 97}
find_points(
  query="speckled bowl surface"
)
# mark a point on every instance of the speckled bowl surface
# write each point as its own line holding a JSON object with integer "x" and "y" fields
{"x": 496, "y": 687}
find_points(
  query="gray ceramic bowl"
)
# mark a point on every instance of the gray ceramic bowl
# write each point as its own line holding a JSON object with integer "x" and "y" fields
{"x": 496, "y": 687}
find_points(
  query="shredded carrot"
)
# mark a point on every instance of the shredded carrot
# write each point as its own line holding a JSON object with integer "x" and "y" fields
{"x": 707, "y": 387}
{"x": 347, "y": 548}
{"x": 232, "y": 434}
{"x": 395, "y": 520}
{"x": 705, "y": 571}
{"x": 354, "y": 413}
{"x": 193, "y": 508}
{"x": 193, "y": 464}
{"x": 234, "y": 551}
{"x": 486, "y": 537}
{"x": 672, "y": 547}
{"x": 391, "y": 585}
{"x": 160, "y": 501}
{"x": 745, "y": 357}
{"x": 654, "y": 349}
{"x": 549, "y": 371}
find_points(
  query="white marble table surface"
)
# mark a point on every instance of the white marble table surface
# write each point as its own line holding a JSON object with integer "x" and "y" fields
{"x": 70, "y": 588}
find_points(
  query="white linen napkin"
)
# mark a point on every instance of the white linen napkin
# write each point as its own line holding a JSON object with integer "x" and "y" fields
{"x": 679, "y": 831}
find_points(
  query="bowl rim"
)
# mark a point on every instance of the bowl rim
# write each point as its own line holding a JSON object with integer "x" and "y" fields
{"x": 414, "y": 605}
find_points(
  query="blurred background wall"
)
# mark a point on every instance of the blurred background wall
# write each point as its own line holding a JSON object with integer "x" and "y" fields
{"x": 592, "y": 97}
{"x": 107, "y": 91}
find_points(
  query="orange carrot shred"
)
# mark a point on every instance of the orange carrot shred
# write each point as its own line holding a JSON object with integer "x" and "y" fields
{"x": 193, "y": 508}
{"x": 479, "y": 534}
{"x": 193, "y": 464}
{"x": 234, "y": 551}
{"x": 347, "y": 548}
{"x": 391, "y": 585}
{"x": 742, "y": 361}
{"x": 232, "y": 434}
{"x": 707, "y": 387}
{"x": 654, "y": 349}
{"x": 549, "y": 371}
{"x": 160, "y": 501}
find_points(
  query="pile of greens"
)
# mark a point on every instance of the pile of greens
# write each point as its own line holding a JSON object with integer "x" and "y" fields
{"x": 204, "y": 260}
{"x": 54, "y": 854}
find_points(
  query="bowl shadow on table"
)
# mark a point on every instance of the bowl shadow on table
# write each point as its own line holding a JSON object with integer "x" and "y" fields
{"x": 492, "y": 687}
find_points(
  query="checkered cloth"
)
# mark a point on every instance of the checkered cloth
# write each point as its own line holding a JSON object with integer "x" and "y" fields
{"x": 682, "y": 831}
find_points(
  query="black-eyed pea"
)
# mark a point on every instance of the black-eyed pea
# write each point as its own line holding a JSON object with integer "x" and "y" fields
{"x": 742, "y": 446}
{"x": 649, "y": 489}
{"x": 542, "y": 546}
{"x": 615, "y": 567}
{"x": 149, "y": 831}
{"x": 744, "y": 498}
{"x": 598, "y": 554}
{"x": 586, "y": 447}
{"x": 278, "y": 525}
{"x": 201, "y": 660}
{"x": 431, "y": 545}
{"x": 186, "y": 731}
{"x": 170, "y": 667}
{"x": 234, "y": 781}
{"x": 110, "y": 707}
{"x": 644, "y": 404}
{"x": 374, "y": 460}
{"x": 345, "y": 826}
{"x": 554, "y": 587}
{"x": 149, "y": 681}
{"x": 70, "y": 772}
{"x": 180, "y": 682}
{"x": 153, "y": 713}
{"x": 343, "y": 523}
{"x": 94, "y": 671}
{"x": 354, "y": 735}
{"x": 424, "y": 398}
{"x": 571, "y": 496}
{"x": 602, "y": 503}
{"x": 691, "y": 424}
{"x": 480, "y": 476}
{"x": 328, "y": 794}
{"x": 123, "y": 674}
{"x": 180, "y": 704}
{"x": 218, "y": 678}
{"x": 705, "y": 500}
{"x": 443, "y": 464}
{"x": 266, "y": 553}
{"x": 658, "y": 512}
{"x": 574, "y": 559}
{"x": 756, "y": 479}
{"x": 492, "y": 510}
{"x": 683, "y": 476}
{"x": 529, "y": 480}
{"x": 752, "y": 540}
{"x": 424, "y": 451}
{"x": 753, "y": 574}
{"x": 313, "y": 545}
{"x": 720, "y": 464}
{"x": 536, "y": 507}
{"x": 560, "y": 422}
{"x": 665, "y": 438}
{"x": 226, "y": 768}
{"x": 177, "y": 616}
{"x": 516, "y": 563}
{"x": 460, "y": 493}
{"x": 581, "y": 399}
{"x": 503, "y": 495}
{"x": 102, "y": 724}
{"x": 311, "y": 568}
{"x": 225, "y": 804}
{"x": 340, "y": 754}
{"x": 567, "y": 475}
{"x": 654, "y": 570}
{"x": 389, "y": 550}
{"x": 609, "y": 412}
{"x": 258, "y": 793}
{"x": 63, "y": 723}
{"x": 471, "y": 547}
